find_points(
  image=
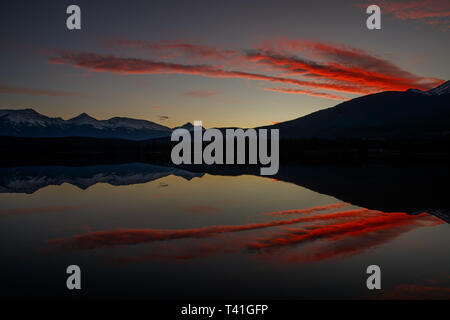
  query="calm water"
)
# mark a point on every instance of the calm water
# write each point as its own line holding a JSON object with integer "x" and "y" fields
{"x": 144, "y": 231}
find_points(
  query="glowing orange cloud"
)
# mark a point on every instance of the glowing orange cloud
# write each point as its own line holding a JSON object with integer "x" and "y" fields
{"x": 347, "y": 66}
{"x": 113, "y": 64}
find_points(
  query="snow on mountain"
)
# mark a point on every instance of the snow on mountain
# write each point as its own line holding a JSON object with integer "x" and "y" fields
{"x": 28, "y": 117}
{"x": 29, "y": 123}
{"x": 116, "y": 122}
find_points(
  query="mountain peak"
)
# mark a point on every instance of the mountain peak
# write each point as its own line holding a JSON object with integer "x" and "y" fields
{"x": 83, "y": 115}
{"x": 187, "y": 125}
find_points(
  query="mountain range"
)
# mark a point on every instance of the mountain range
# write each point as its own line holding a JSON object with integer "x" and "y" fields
{"x": 29, "y": 123}
{"x": 390, "y": 114}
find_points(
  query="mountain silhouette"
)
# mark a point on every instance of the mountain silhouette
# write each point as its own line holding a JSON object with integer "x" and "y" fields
{"x": 386, "y": 115}
{"x": 390, "y": 114}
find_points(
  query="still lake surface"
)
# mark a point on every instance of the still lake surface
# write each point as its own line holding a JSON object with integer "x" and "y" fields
{"x": 154, "y": 232}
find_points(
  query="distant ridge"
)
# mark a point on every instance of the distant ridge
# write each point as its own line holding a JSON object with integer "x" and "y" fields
{"x": 391, "y": 114}
{"x": 385, "y": 115}
{"x": 29, "y": 123}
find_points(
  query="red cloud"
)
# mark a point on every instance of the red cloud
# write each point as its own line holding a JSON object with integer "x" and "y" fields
{"x": 39, "y": 92}
{"x": 345, "y": 66}
{"x": 414, "y": 10}
{"x": 111, "y": 63}
{"x": 338, "y": 68}
{"x": 424, "y": 11}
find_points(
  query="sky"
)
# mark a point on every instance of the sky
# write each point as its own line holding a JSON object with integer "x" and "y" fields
{"x": 226, "y": 63}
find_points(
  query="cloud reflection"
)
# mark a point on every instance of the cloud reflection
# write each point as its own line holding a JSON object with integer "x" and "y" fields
{"x": 321, "y": 236}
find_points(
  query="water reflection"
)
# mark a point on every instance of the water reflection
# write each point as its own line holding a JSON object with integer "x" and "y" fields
{"x": 151, "y": 225}
{"x": 31, "y": 179}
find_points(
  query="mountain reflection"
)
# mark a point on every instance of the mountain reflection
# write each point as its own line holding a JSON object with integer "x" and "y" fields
{"x": 190, "y": 221}
{"x": 31, "y": 179}
{"x": 410, "y": 189}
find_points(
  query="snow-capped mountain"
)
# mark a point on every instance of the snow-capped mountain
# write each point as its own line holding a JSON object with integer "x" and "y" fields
{"x": 29, "y": 123}
{"x": 28, "y": 117}
{"x": 85, "y": 119}
{"x": 116, "y": 122}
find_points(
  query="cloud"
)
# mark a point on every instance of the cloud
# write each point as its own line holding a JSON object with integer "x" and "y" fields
{"x": 39, "y": 92}
{"x": 308, "y": 64}
{"x": 414, "y": 10}
{"x": 308, "y": 93}
{"x": 119, "y": 65}
{"x": 201, "y": 93}
{"x": 172, "y": 48}
{"x": 343, "y": 65}
{"x": 311, "y": 65}
{"x": 435, "y": 12}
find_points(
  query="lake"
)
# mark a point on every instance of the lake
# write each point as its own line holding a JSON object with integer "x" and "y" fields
{"x": 155, "y": 232}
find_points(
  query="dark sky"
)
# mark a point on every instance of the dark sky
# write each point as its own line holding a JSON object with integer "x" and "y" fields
{"x": 242, "y": 63}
